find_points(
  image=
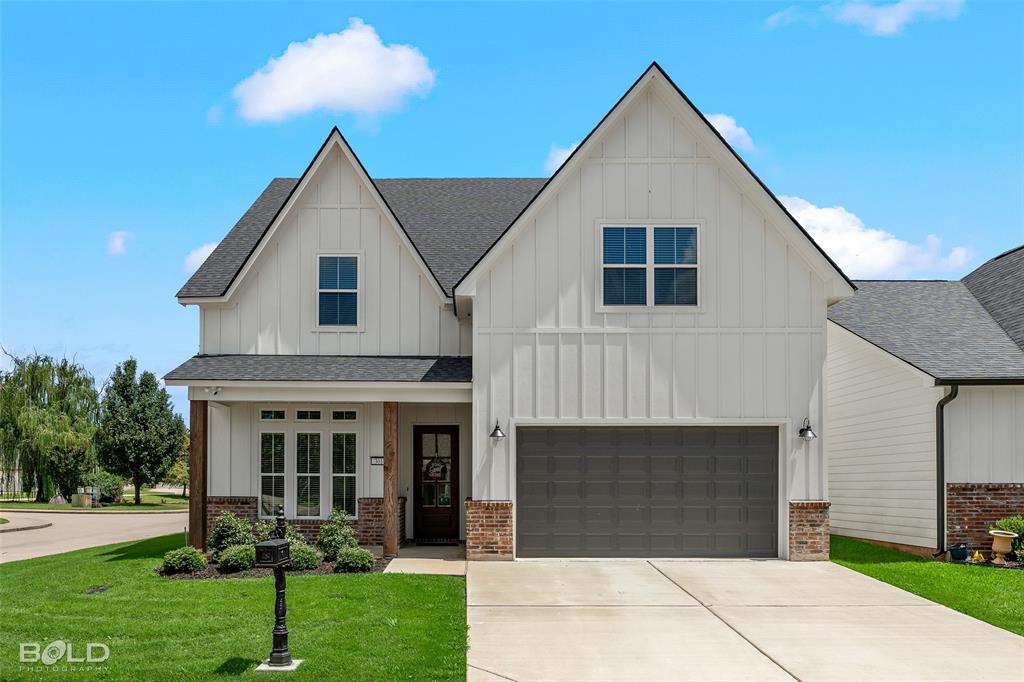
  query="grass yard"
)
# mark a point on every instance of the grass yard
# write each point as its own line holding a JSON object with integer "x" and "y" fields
{"x": 377, "y": 626}
{"x": 993, "y": 595}
{"x": 151, "y": 501}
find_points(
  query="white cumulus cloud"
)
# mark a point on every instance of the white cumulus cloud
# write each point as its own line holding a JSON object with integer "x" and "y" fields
{"x": 117, "y": 242}
{"x": 197, "y": 255}
{"x": 557, "y": 156}
{"x": 733, "y": 133}
{"x": 349, "y": 71}
{"x": 888, "y": 19}
{"x": 871, "y": 253}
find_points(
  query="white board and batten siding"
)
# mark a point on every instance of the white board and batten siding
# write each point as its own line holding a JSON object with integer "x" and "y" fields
{"x": 985, "y": 435}
{"x": 881, "y": 446}
{"x": 274, "y": 309}
{"x": 752, "y": 353}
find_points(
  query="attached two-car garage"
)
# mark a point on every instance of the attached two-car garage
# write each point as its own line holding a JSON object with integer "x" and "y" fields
{"x": 661, "y": 491}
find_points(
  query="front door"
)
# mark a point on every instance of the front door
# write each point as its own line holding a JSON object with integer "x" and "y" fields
{"x": 436, "y": 480}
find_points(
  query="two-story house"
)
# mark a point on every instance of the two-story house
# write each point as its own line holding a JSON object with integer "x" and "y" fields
{"x": 618, "y": 361}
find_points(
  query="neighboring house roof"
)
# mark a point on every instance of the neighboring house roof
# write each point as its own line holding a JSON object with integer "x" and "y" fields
{"x": 452, "y": 222}
{"x": 943, "y": 328}
{"x": 226, "y": 368}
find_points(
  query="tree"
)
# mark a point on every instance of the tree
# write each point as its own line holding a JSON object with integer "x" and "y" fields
{"x": 139, "y": 435}
{"x": 178, "y": 475}
{"x": 47, "y": 422}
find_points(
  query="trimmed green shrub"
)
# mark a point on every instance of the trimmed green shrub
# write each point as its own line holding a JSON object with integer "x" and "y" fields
{"x": 238, "y": 558}
{"x": 183, "y": 560}
{"x": 1014, "y": 524}
{"x": 229, "y": 530}
{"x": 304, "y": 557}
{"x": 109, "y": 487}
{"x": 354, "y": 560}
{"x": 336, "y": 534}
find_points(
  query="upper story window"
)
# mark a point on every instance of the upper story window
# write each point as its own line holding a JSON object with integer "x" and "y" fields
{"x": 338, "y": 291}
{"x": 649, "y": 266}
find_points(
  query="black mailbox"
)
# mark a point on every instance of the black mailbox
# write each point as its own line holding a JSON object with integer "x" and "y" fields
{"x": 272, "y": 553}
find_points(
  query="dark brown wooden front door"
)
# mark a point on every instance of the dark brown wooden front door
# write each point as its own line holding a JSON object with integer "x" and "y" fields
{"x": 436, "y": 482}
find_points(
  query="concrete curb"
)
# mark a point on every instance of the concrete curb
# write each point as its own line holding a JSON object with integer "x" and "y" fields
{"x": 92, "y": 511}
{"x": 4, "y": 529}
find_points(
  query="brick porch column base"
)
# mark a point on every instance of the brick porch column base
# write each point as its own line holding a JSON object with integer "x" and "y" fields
{"x": 369, "y": 525}
{"x": 972, "y": 508}
{"x": 488, "y": 529}
{"x": 808, "y": 530}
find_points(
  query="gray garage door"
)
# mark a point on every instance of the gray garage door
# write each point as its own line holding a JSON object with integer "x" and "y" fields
{"x": 646, "y": 492}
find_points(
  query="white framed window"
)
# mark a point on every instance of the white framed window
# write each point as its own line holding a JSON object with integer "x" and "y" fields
{"x": 307, "y": 415}
{"x": 648, "y": 266}
{"x": 338, "y": 290}
{"x": 307, "y": 474}
{"x": 272, "y": 444}
{"x": 272, "y": 415}
{"x": 344, "y": 415}
{"x": 343, "y": 471}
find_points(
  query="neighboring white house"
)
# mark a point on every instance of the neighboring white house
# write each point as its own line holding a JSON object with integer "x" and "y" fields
{"x": 925, "y": 407}
{"x": 613, "y": 362}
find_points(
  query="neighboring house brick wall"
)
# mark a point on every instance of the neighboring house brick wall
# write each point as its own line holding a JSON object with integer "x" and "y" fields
{"x": 369, "y": 525}
{"x": 808, "y": 530}
{"x": 972, "y": 508}
{"x": 488, "y": 529}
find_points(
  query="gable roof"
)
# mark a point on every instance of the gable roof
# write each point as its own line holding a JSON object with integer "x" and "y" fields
{"x": 579, "y": 152}
{"x": 944, "y": 328}
{"x": 451, "y": 221}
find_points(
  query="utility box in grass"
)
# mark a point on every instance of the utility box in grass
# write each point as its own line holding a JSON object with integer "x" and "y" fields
{"x": 82, "y": 500}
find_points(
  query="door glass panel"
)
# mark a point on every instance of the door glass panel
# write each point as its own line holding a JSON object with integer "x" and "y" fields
{"x": 429, "y": 494}
{"x": 444, "y": 494}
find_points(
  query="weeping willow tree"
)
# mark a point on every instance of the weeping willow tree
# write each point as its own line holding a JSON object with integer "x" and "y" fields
{"x": 48, "y": 412}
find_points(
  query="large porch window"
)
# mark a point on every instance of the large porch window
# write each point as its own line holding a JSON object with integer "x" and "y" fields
{"x": 343, "y": 472}
{"x": 271, "y": 472}
{"x": 307, "y": 470}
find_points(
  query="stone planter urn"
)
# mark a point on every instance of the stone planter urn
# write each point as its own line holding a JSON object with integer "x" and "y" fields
{"x": 1002, "y": 543}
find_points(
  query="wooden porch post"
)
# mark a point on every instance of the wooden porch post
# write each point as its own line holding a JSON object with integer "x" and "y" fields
{"x": 198, "y": 439}
{"x": 391, "y": 479}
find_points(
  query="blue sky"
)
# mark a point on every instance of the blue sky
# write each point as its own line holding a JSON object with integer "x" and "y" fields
{"x": 895, "y": 131}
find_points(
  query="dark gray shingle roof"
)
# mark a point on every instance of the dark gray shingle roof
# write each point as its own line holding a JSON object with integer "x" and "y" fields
{"x": 939, "y": 327}
{"x": 323, "y": 368}
{"x": 452, "y": 222}
{"x": 999, "y": 285}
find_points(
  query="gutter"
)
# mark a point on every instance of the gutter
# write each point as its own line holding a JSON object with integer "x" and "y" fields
{"x": 940, "y": 470}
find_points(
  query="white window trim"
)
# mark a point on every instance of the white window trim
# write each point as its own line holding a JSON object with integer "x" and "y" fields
{"x": 294, "y": 479}
{"x": 354, "y": 475}
{"x": 359, "y": 291}
{"x": 259, "y": 469}
{"x": 318, "y": 420}
{"x": 649, "y": 266}
{"x": 345, "y": 421}
{"x": 273, "y": 421}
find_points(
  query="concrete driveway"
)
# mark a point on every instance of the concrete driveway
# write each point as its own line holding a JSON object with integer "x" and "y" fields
{"x": 77, "y": 530}
{"x": 718, "y": 620}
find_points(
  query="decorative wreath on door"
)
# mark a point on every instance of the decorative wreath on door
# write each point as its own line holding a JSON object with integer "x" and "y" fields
{"x": 437, "y": 470}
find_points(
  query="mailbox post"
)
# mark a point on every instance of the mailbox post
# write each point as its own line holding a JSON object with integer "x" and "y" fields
{"x": 275, "y": 553}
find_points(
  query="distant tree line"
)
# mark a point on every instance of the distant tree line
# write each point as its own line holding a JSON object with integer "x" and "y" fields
{"x": 58, "y": 432}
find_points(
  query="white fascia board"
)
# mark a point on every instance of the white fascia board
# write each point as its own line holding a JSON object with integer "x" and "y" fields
{"x": 334, "y": 139}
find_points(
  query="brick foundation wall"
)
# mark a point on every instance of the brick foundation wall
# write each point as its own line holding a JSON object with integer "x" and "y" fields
{"x": 488, "y": 529}
{"x": 369, "y": 523}
{"x": 972, "y": 508}
{"x": 808, "y": 530}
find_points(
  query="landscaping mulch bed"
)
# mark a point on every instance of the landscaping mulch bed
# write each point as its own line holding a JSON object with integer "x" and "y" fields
{"x": 213, "y": 572}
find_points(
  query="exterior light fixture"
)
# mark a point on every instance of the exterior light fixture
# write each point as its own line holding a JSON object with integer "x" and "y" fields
{"x": 497, "y": 433}
{"x": 806, "y": 432}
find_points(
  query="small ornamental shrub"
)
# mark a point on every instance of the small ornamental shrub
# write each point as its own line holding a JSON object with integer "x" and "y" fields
{"x": 238, "y": 558}
{"x": 336, "y": 535}
{"x": 183, "y": 560}
{"x": 1014, "y": 524}
{"x": 354, "y": 560}
{"x": 304, "y": 557}
{"x": 109, "y": 487}
{"x": 261, "y": 530}
{"x": 229, "y": 530}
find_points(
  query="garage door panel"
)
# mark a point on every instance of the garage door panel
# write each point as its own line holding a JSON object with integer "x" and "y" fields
{"x": 646, "y": 491}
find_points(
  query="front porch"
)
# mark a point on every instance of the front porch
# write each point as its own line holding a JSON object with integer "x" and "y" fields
{"x": 399, "y": 468}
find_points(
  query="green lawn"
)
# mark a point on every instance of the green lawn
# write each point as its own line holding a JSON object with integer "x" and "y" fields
{"x": 373, "y": 626}
{"x": 993, "y": 595}
{"x": 151, "y": 501}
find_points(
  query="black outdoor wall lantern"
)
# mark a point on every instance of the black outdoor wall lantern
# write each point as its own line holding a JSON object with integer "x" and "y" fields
{"x": 275, "y": 553}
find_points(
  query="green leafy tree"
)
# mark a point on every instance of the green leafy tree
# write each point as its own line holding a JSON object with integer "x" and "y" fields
{"x": 47, "y": 423}
{"x": 139, "y": 435}
{"x": 178, "y": 475}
